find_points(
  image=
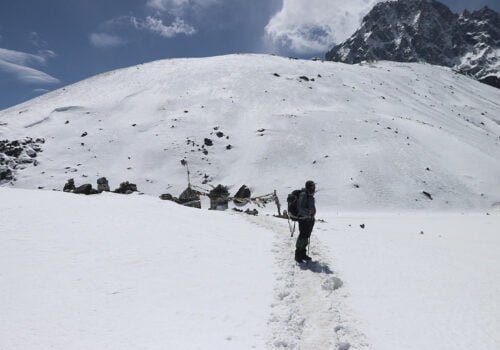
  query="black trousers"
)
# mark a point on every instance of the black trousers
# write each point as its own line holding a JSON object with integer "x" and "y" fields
{"x": 305, "y": 230}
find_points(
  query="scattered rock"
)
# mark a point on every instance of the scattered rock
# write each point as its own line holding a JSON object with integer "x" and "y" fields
{"x": 5, "y": 173}
{"x": 220, "y": 134}
{"x": 229, "y": 147}
{"x": 243, "y": 195}
{"x": 219, "y": 198}
{"x": 303, "y": 77}
{"x": 427, "y": 194}
{"x": 13, "y": 154}
{"x": 84, "y": 134}
{"x": 69, "y": 186}
{"x": 277, "y": 75}
{"x": 85, "y": 189}
{"x": 102, "y": 185}
{"x": 166, "y": 197}
{"x": 362, "y": 226}
{"x": 253, "y": 212}
{"x": 190, "y": 198}
{"x": 126, "y": 188}
{"x": 208, "y": 142}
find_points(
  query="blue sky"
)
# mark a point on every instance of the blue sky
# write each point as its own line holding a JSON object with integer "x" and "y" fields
{"x": 51, "y": 43}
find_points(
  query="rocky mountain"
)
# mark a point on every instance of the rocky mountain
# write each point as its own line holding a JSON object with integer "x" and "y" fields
{"x": 427, "y": 31}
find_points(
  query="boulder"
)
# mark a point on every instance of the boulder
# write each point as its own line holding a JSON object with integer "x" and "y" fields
{"x": 102, "y": 185}
{"x": 190, "y": 198}
{"x": 69, "y": 186}
{"x": 243, "y": 195}
{"x": 126, "y": 188}
{"x": 253, "y": 212}
{"x": 30, "y": 152}
{"x": 166, "y": 197}
{"x": 5, "y": 173}
{"x": 84, "y": 189}
{"x": 219, "y": 198}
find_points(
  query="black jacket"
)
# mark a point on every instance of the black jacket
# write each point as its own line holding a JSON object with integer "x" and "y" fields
{"x": 306, "y": 202}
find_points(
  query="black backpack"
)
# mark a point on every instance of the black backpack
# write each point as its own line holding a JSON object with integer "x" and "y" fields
{"x": 293, "y": 205}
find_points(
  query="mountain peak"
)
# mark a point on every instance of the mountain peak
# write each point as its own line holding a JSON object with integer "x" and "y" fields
{"x": 426, "y": 31}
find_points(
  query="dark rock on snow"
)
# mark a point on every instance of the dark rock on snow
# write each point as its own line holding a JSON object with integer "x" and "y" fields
{"x": 85, "y": 189}
{"x": 69, "y": 186}
{"x": 243, "y": 193}
{"x": 102, "y": 185}
{"x": 126, "y": 188}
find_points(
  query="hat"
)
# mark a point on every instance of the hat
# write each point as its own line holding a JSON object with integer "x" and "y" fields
{"x": 310, "y": 185}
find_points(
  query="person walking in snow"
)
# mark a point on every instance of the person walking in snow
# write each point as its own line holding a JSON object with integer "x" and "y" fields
{"x": 307, "y": 212}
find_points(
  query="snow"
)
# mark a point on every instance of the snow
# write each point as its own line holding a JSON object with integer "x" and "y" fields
{"x": 128, "y": 272}
{"x": 124, "y": 272}
{"x": 106, "y": 272}
{"x": 379, "y": 126}
{"x": 420, "y": 281}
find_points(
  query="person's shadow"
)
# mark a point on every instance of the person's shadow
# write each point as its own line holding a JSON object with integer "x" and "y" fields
{"x": 317, "y": 267}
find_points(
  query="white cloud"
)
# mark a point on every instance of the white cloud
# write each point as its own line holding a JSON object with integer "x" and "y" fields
{"x": 104, "y": 40}
{"x": 41, "y": 91}
{"x": 21, "y": 58}
{"x": 167, "y": 18}
{"x": 36, "y": 40}
{"x": 180, "y": 7}
{"x": 156, "y": 25}
{"x": 16, "y": 64}
{"x": 27, "y": 75}
{"x": 307, "y": 26}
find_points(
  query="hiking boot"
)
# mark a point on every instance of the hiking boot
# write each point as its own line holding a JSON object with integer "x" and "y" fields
{"x": 306, "y": 257}
{"x": 298, "y": 256}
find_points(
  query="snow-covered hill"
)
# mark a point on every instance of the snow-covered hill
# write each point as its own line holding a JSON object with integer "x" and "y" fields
{"x": 374, "y": 136}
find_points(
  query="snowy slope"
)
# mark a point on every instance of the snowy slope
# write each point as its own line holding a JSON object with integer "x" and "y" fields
{"x": 134, "y": 272}
{"x": 373, "y": 136}
{"x": 113, "y": 272}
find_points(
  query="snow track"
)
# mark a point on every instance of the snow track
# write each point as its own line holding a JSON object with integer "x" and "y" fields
{"x": 308, "y": 311}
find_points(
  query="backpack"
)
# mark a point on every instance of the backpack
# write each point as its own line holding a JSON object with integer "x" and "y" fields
{"x": 293, "y": 205}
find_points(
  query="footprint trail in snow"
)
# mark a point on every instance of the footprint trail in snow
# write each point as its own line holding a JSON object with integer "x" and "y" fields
{"x": 309, "y": 310}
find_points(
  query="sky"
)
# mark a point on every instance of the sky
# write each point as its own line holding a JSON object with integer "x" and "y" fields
{"x": 45, "y": 45}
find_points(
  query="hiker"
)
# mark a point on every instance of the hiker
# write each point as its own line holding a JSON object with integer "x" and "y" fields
{"x": 306, "y": 214}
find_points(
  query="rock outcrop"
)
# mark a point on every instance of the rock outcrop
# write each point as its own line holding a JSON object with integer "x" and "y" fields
{"x": 427, "y": 31}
